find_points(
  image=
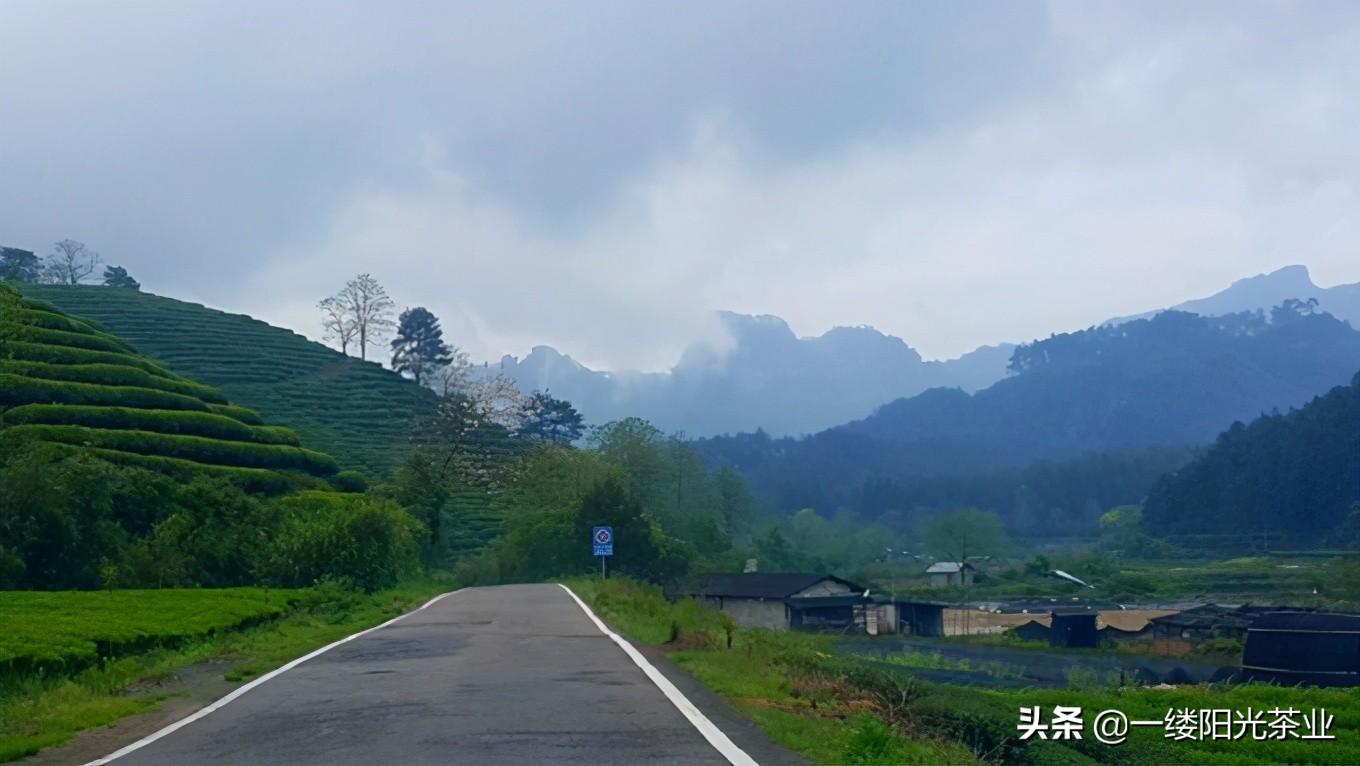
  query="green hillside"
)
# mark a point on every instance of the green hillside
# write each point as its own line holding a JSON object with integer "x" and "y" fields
{"x": 357, "y": 411}
{"x": 66, "y": 381}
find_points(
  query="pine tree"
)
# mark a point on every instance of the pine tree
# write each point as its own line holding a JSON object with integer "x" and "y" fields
{"x": 550, "y": 419}
{"x": 117, "y": 276}
{"x": 19, "y": 265}
{"x": 419, "y": 349}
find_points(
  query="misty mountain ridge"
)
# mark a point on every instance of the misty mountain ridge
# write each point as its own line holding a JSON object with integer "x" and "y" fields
{"x": 768, "y": 378}
{"x": 1135, "y": 389}
{"x": 1263, "y": 291}
{"x": 765, "y": 378}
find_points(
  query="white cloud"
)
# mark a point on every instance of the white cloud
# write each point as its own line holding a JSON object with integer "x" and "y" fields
{"x": 603, "y": 179}
{"x": 1128, "y": 186}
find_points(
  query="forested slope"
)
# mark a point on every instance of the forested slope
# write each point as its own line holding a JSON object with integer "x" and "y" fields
{"x": 357, "y": 411}
{"x": 65, "y": 381}
{"x": 1138, "y": 394}
{"x": 1284, "y": 478}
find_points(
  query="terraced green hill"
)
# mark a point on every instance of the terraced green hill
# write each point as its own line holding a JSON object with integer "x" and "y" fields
{"x": 357, "y": 411}
{"x": 66, "y": 381}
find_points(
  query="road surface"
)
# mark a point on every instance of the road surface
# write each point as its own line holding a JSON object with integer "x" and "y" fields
{"x": 512, "y": 674}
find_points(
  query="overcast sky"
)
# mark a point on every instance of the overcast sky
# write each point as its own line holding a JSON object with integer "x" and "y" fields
{"x": 601, "y": 176}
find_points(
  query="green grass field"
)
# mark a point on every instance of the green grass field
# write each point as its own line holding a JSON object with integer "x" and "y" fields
{"x": 156, "y": 632}
{"x": 63, "y": 631}
{"x": 356, "y": 411}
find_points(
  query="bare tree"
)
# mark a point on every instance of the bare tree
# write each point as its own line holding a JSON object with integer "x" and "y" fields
{"x": 491, "y": 398}
{"x": 337, "y": 323}
{"x": 361, "y": 312}
{"x": 454, "y": 377}
{"x": 70, "y": 262}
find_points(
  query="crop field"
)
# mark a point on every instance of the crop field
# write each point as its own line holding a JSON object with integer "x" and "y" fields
{"x": 67, "y": 382}
{"x": 63, "y": 631}
{"x": 356, "y": 411}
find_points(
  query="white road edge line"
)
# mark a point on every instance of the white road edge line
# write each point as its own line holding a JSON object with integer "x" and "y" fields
{"x": 729, "y": 750}
{"x": 204, "y": 711}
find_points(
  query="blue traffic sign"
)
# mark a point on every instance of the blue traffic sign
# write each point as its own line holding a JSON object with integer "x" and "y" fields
{"x": 602, "y": 540}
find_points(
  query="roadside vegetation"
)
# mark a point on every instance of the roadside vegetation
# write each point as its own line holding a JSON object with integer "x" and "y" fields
{"x": 836, "y": 708}
{"x": 78, "y": 660}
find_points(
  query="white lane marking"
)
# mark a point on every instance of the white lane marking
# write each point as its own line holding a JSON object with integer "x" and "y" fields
{"x": 201, "y": 712}
{"x": 734, "y": 755}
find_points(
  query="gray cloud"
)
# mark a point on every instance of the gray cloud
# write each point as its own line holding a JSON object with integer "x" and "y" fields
{"x": 599, "y": 176}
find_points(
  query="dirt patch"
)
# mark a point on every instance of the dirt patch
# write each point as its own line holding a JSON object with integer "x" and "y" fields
{"x": 972, "y": 622}
{"x": 687, "y": 641}
{"x": 186, "y": 690}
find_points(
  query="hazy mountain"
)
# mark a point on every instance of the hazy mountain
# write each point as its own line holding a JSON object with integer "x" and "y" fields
{"x": 1263, "y": 291}
{"x": 767, "y": 378}
{"x": 1163, "y": 383}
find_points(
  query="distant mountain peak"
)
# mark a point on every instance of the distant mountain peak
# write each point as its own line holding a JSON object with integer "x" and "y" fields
{"x": 761, "y": 375}
{"x": 1264, "y": 291}
{"x": 1294, "y": 277}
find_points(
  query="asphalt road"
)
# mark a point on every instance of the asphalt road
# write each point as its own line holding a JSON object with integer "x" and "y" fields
{"x": 513, "y": 674}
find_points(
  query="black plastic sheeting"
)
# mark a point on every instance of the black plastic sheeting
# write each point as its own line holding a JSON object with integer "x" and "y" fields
{"x": 1293, "y": 648}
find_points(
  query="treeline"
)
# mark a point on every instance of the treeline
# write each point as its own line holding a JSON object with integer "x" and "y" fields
{"x": 1047, "y": 498}
{"x": 669, "y": 512}
{"x": 70, "y": 263}
{"x": 1282, "y": 479}
{"x": 71, "y": 520}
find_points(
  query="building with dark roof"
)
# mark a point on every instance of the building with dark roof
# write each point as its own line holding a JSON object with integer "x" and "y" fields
{"x": 1073, "y": 629}
{"x": 780, "y": 600}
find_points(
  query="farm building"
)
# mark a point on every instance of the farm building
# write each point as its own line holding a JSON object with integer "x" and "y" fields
{"x": 778, "y": 600}
{"x": 1303, "y": 647}
{"x": 943, "y": 574}
{"x": 1212, "y": 621}
{"x": 1074, "y": 629}
{"x": 1031, "y": 631}
{"x": 918, "y": 618}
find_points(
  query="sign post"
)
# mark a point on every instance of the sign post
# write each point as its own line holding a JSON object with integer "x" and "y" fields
{"x": 602, "y": 541}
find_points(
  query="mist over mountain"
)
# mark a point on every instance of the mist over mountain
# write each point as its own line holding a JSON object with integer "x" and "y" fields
{"x": 766, "y": 378}
{"x": 1141, "y": 389}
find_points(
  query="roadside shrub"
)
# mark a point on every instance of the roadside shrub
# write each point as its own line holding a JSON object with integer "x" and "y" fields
{"x": 894, "y": 694}
{"x": 111, "y": 375}
{"x": 368, "y": 540}
{"x": 64, "y": 513}
{"x": 159, "y": 421}
{"x": 196, "y": 448}
{"x": 17, "y": 389}
{"x": 977, "y": 722}
{"x": 872, "y": 742}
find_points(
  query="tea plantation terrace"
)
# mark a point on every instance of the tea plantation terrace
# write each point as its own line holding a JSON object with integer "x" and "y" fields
{"x": 64, "y": 381}
{"x": 357, "y": 411}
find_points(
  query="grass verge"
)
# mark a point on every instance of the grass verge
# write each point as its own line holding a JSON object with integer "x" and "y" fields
{"x": 45, "y": 708}
{"x": 842, "y": 709}
{"x": 754, "y": 676}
